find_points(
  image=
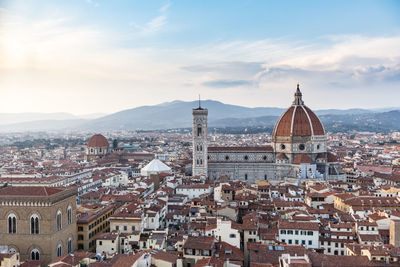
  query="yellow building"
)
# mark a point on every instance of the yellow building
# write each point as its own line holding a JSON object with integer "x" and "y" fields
{"x": 9, "y": 259}
{"x": 339, "y": 201}
{"x": 93, "y": 221}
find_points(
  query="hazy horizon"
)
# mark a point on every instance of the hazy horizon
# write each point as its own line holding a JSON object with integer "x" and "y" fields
{"x": 100, "y": 114}
{"x": 89, "y": 56}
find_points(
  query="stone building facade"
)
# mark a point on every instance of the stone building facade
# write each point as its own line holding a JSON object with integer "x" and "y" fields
{"x": 38, "y": 222}
{"x": 298, "y": 150}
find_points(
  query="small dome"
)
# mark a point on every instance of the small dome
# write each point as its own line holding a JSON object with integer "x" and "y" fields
{"x": 298, "y": 120}
{"x": 98, "y": 140}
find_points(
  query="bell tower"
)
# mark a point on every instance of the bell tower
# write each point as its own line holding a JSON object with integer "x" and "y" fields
{"x": 199, "y": 134}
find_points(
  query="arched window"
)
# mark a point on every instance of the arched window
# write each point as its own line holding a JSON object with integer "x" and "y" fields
{"x": 201, "y": 148}
{"x": 59, "y": 222}
{"x": 199, "y": 130}
{"x": 12, "y": 224}
{"x": 69, "y": 245}
{"x": 35, "y": 254}
{"x": 59, "y": 250}
{"x": 69, "y": 214}
{"x": 34, "y": 224}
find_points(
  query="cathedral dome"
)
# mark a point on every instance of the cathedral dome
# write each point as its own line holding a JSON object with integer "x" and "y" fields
{"x": 98, "y": 140}
{"x": 298, "y": 120}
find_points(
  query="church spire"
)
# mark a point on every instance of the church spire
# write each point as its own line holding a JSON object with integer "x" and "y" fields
{"x": 199, "y": 102}
{"x": 298, "y": 97}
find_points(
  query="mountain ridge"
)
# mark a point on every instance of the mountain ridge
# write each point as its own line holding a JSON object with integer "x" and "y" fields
{"x": 177, "y": 114}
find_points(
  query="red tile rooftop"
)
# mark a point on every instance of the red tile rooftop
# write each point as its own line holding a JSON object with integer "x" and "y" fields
{"x": 29, "y": 191}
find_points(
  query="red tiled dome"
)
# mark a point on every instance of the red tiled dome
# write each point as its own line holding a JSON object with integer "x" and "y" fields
{"x": 98, "y": 140}
{"x": 298, "y": 120}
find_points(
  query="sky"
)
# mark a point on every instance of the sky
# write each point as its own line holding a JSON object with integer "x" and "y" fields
{"x": 91, "y": 56}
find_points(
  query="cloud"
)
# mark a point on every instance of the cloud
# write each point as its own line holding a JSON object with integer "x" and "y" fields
{"x": 350, "y": 61}
{"x": 47, "y": 59}
{"x": 156, "y": 23}
{"x": 164, "y": 8}
{"x": 226, "y": 83}
{"x": 96, "y": 4}
{"x": 234, "y": 67}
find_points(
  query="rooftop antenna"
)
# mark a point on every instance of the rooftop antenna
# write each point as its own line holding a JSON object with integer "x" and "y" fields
{"x": 199, "y": 102}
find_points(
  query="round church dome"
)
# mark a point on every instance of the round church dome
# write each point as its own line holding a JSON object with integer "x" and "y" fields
{"x": 298, "y": 120}
{"x": 98, "y": 140}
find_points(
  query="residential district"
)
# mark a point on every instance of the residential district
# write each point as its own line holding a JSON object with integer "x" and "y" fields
{"x": 296, "y": 197}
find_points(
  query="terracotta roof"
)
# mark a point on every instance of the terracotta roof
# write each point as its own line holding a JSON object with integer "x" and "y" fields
{"x": 299, "y": 225}
{"x": 332, "y": 157}
{"x": 127, "y": 260}
{"x": 201, "y": 242}
{"x": 282, "y": 156}
{"x": 98, "y": 140}
{"x": 29, "y": 191}
{"x": 322, "y": 260}
{"x": 302, "y": 158}
{"x": 370, "y": 238}
{"x": 164, "y": 256}
{"x": 269, "y": 254}
{"x": 205, "y": 262}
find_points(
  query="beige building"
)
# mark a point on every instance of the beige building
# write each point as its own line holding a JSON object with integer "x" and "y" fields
{"x": 394, "y": 233}
{"x": 127, "y": 219}
{"x": 108, "y": 243}
{"x": 91, "y": 224}
{"x": 9, "y": 259}
{"x": 38, "y": 222}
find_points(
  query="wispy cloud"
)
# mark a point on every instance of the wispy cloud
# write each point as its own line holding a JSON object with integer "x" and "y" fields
{"x": 96, "y": 4}
{"x": 226, "y": 83}
{"x": 48, "y": 59}
{"x": 156, "y": 23}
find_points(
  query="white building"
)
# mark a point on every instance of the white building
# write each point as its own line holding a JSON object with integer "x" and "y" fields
{"x": 225, "y": 231}
{"x": 116, "y": 180}
{"x": 299, "y": 233}
{"x": 194, "y": 190}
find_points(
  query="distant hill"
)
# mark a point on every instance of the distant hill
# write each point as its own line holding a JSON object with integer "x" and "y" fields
{"x": 43, "y": 125}
{"x": 373, "y": 122}
{"x": 15, "y": 118}
{"x": 177, "y": 114}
